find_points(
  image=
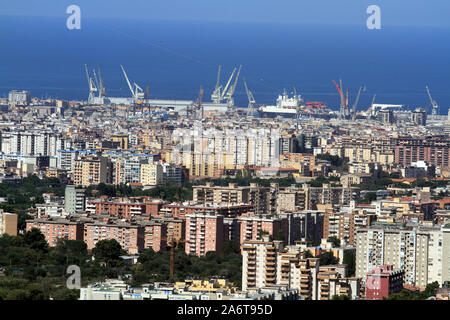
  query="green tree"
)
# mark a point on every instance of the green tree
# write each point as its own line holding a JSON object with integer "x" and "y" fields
{"x": 350, "y": 261}
{"x": 280, "y": 236}
{"x": 66, "y": 294}
{"x": 327, "y": 258}
{"x": 335, "y": 241}
{"x": 36, "y": 240}
{"x": 108, "y": 252}
{"x": 71, "y": 252}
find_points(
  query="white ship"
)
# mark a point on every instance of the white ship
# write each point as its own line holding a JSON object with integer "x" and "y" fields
{"x": 286, "y": 106}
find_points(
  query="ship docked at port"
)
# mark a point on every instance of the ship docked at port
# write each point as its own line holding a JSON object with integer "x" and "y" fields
{"x": 222, "y": 97}
{"x": 292, "y": 107}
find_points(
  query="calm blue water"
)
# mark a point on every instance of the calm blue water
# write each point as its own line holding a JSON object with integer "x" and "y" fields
{"x": 176, "y": 58}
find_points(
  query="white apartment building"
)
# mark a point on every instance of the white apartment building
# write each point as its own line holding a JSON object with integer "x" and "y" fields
{"x": 418, "y": 251}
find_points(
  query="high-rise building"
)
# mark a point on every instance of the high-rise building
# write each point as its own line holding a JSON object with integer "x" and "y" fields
{"x": 204, "y": 232}
{"x": 130, "y": 235}
{"x": 435, "y": 150}
{"x": 259, "y": 262}
{"x": 419, "y": 117}
{"x": 19, "y": 97}
{"x": 152, "y": 174}
{"x": 92, "y": 170}
{"x": 255, "y": 227}
{"x": 8, "y": 223}
{"x": 419, "y": 252}
{"x": 267, "y": 263}
{"x": 75, "y": 200}
{"x": 383, "y": 281}
{"x": 386, "y": 116}
{"x": 59, "y": 228}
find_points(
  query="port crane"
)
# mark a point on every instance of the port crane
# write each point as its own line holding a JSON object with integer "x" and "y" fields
{"x": 370, "y": 111}
{"x": 198, "y": 107}
{"x": 92, "y": 88}
{"x": 216, "y": 95}
{"x": 102, "y": 89}
{"x": 251, "y": 101}
{"x": 230, "y": 93}
{"x": 434, "y": 104}
{"x": 356, "y": 104}
{"x": 344, "y": 101}
{"x": 136, "y": 91}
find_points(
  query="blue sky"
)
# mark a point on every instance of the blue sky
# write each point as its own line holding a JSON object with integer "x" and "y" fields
{"x": 418, "y": 13}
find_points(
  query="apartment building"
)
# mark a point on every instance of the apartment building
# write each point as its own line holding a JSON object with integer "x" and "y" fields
{"x": 75, "y": 200}
{"x": 155, "y": 235}
{"x": 418, "y": 251}
{"x": 57, "y": 228}
{"x": 343, "y": 225}
{"x": 263, "y": 199}
{"x": 176, "y": 228}
{"x": 92, "y": 170}
{"x": 121, "y": 207}
{"x": 217, "y": 194}
{"x": 130, "y": 235}
{"x": 256, "y": 226}
{"x": 291, "y": 199}
{"x": 347, "y": 180}
{"x": 296, "y": 271}
{"x": 383, "y": 281}
{"x": 152, "y": 174}
{"x": 268, "y": 263}
{"x": 332, "y": 280}
{"x": 8, "y": 223}
{"x": 432, "y": 149}
{"x": 227, "y": 210}
{"x": 259, "y": 260}
{"x": 329, "y": 195}
{"x": 307, "y": 225}
{"x": 204, "y": 233}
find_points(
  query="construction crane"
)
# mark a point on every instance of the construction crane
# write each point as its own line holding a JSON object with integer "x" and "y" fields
{"x": 136, "y": 91}
{"x": 356, "y": 104}
{"x": 92, "y": 88}
{"x": 251, "y": 101}
{"x": 216, "y": 95}
{"x": 434, "y": 104}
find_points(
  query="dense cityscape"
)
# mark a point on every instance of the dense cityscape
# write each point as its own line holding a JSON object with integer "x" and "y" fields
{"x": 196, "y": 200}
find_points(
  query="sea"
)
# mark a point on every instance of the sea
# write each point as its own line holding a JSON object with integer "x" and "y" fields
{"x": 176, "y": 58}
